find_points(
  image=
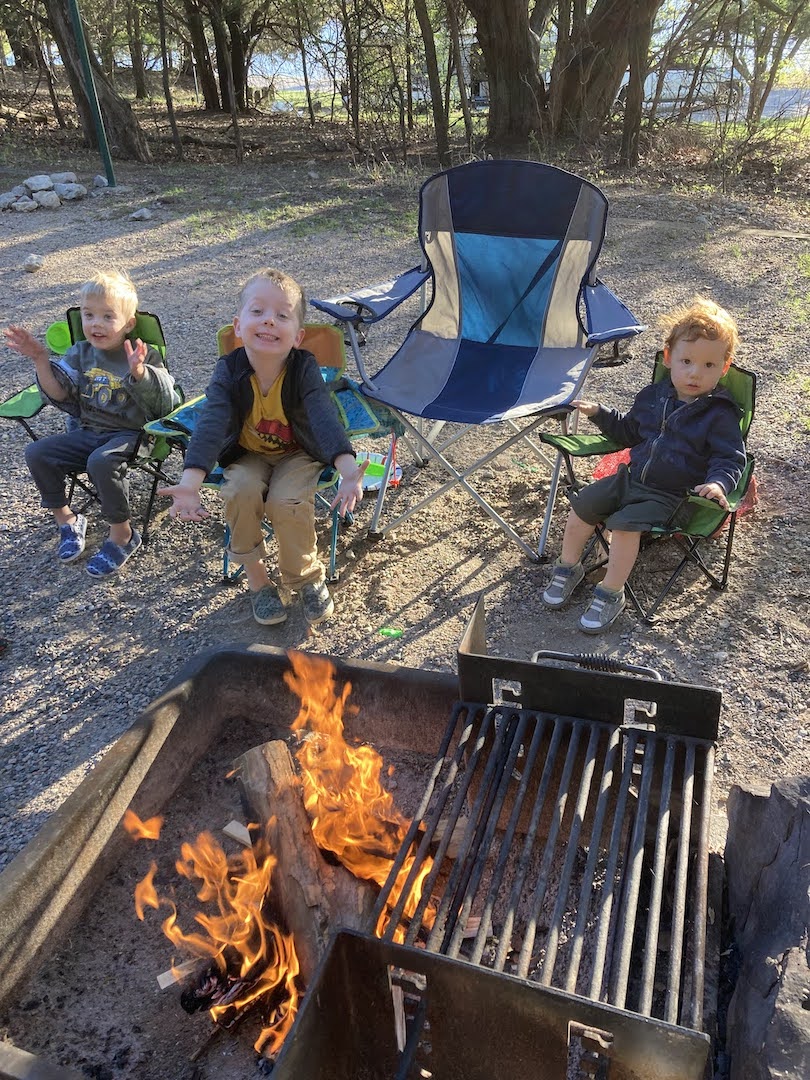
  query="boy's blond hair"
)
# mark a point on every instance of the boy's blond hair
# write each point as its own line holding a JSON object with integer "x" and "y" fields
{"x": 116, "y": 288}
{"x": 701, "y": 319}
{"x": 288, "y": 285}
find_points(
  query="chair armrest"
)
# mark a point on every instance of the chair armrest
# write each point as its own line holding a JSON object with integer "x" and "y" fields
{"x": 607, "y": 318}
{"x": 371, "y": 304}
{"x": 579, "y": 445}
{"x": 24, "y": 405}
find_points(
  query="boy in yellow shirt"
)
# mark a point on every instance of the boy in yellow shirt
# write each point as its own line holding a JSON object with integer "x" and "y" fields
{"x": 270, "y": 422}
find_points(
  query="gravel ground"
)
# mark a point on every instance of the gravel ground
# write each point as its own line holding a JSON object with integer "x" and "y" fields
{"x": 80, "y": 659}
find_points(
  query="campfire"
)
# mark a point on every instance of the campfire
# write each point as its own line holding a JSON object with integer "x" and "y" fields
{"x": 320, "y": 830}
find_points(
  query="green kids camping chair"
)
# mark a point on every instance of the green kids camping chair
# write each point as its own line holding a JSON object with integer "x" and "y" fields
{"x": 707, "y": 521}
{"x": 150, "y": 452}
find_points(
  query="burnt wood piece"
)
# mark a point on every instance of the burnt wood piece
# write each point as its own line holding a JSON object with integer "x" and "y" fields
{"x": 313, "y": 896}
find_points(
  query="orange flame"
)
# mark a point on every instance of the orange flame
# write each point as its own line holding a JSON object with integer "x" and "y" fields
{"x": 257, "y": 958}
{"x": 352, "y": 814}
{"x": 142, "y": 830}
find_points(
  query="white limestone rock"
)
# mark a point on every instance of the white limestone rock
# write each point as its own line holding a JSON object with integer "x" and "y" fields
{"x": 100, "y": 181}
{"x": 141, "y": 215}
{"x": 34, "y": 263}
{"x": 42, "y": 182}
{"x": 69, "y": 191}
{"x": 48, "y": 200}
{"x": 6, "y": 199}
{"x": 19, "y": 190}
{"x": 24, "y": 204}
{"x": 63, "y": 178}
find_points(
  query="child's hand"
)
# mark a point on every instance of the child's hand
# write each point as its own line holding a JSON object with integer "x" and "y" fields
{"x": 712, "y": 491}
{"x": 350, "y": 489}
{"x": 136, "y": 355}
{"x": 186, "y": 503}
{"x": 587, "y": 408}
{"x": 22, "y": 341}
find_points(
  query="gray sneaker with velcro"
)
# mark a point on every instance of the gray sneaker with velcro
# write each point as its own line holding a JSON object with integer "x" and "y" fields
{"x": 563, "y": 582}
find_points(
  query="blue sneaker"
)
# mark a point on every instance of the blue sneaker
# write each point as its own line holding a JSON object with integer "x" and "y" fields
{"x": 71, "y": 539}
{"x": 111, "y": 557}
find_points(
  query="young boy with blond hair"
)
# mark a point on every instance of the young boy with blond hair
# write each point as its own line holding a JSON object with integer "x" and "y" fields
{"x": 270, "y": 422}
{"x": 111, "y": 388}
{"x": 684, "y": 435}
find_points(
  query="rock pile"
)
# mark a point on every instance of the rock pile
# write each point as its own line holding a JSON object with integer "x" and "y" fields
{"x": 46, "y": 192}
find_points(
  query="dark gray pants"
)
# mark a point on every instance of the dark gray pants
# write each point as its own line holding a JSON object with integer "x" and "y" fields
{"x": 104, "y": 456}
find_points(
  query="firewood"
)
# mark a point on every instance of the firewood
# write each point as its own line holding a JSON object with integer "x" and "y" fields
{"x": 313, "y": 896}
{"x": 239, "y": 832}
{"x": 177, "y": 973}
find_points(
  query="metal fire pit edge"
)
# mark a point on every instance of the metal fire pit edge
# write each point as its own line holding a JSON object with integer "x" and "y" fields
{"x": 45, "y": 888}
{"x": 478, "y": 1025}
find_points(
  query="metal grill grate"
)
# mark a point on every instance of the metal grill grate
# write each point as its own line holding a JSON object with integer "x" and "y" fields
{"x": 580, "y": 847}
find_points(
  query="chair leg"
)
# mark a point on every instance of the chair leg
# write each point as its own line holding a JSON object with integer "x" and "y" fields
{"x": 550, "y": 504}
{"x": 388, "y": 466}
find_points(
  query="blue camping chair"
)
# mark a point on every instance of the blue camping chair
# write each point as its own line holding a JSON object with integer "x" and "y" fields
{"x": 358, "y": 416}
{"x": 515, "y": 319}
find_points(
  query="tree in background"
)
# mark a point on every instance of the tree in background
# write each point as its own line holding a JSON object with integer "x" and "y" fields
{"x": 517, "y": 95}
{"x": 124, "y": 133}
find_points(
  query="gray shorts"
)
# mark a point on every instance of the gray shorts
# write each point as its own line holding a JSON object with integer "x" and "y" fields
{"x": 619, "y": 502}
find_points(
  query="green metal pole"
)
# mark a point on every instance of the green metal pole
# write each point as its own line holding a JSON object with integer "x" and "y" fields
{"x": 90, "y": 87}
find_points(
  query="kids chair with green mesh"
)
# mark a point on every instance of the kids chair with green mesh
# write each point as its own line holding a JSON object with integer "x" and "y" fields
{"x": 150, "y": 452}
{"x": 358, "y": 416}
{"x": 708, "y": 520}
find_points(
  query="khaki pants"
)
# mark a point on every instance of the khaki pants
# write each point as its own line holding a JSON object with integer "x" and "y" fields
{"x": 283, "y": 491}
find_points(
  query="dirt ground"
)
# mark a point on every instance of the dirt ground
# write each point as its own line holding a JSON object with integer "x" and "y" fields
{"x": 80, "y": 659}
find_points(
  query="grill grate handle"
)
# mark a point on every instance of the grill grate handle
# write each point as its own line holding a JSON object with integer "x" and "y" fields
{"x": 596, "y": 662}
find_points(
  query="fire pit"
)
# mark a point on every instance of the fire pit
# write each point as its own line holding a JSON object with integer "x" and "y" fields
{"x": 566, "y": 828}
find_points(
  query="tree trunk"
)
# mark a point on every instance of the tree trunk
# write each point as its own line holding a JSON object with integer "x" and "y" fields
{"x": 408, "y": 66}
{"x": 133, "y": 16}
{"x": 439, "y": 113}
{"x": 202, "y": 58}
{"x": 455, "y": 40}
{"x": 20, "y": 38}
{"x": 517, "y": 97}
{"x": 167, "y": 89}
{"x": 639, "y": 34}
{"x": 238, "y": 63}
{"x": 351, "y": 97}
{"x": 226, "y": 87}
{"x": 587, "y": 80}
{"x": 124, "y": 133}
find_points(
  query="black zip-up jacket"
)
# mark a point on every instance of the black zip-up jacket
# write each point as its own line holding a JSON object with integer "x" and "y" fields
{"x": 305, "y": 399}
{"x": 677, "y": 445}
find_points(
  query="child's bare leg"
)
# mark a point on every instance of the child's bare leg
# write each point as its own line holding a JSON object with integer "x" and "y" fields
{"x": 64, "y": 515}
{"x": 121, "y": 532}
{"x": 576, "y": 535}
{"x": 623, "y": 554}
{"x": 257, "y": 575}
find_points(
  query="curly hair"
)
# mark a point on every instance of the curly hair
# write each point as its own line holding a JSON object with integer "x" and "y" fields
{"x": 288, "y": 285}
{"x": 116, "y": 288}
{"x": 701, "y": 319}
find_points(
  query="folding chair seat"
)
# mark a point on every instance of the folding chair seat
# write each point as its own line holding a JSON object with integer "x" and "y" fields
{"x": 708, "y": 521}
{"x": 515, "y": 319}
{"x": 149, "y": 454}
{"x": 359, "y": 417}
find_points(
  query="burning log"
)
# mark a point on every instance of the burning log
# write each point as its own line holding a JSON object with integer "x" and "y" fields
{"x": 314, "y": 896}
